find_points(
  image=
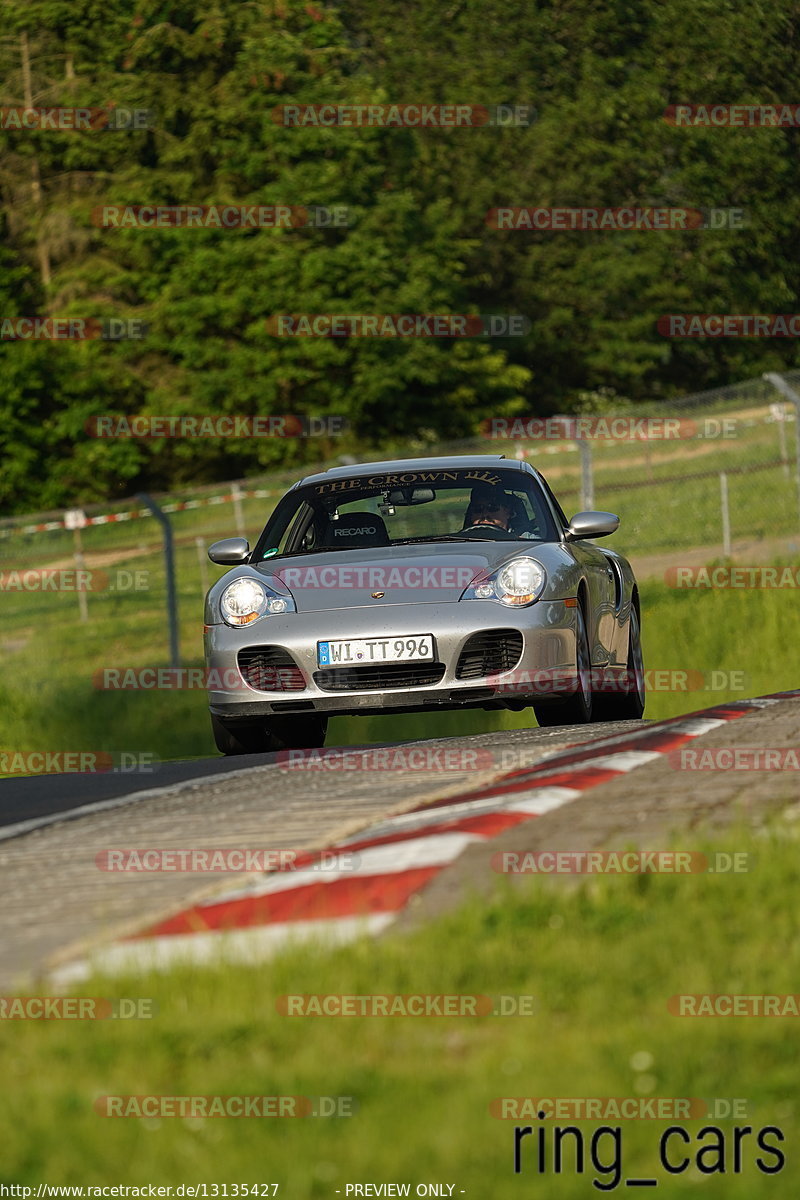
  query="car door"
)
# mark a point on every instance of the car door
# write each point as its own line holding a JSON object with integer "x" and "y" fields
{"x": 603, "y": 614}
{"x": 605, "y": 637}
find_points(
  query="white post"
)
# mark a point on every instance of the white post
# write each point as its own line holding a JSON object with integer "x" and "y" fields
{"x": 587, "y": 474}
{"x": 75, "y": 519}
{"x": 779, "y": 413}
{"x": 793, "y": 397}
{"x": 726, "y": 514}
{"x": 236, "y": 491}
{"x": 80, "y": 562}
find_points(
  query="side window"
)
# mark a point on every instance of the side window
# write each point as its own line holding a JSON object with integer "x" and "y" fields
{"x": 561, "y": 519}
{"x": 300, "y": 533}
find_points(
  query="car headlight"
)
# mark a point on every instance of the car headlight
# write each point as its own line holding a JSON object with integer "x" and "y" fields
{"x": 517, "y": 583}
{"x": 247, "y": 600}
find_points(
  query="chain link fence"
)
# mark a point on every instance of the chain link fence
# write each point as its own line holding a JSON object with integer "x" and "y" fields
{"x": 715, "y": 474}
{"x": 84, "y": 563}
{"x": 725, "y": 485}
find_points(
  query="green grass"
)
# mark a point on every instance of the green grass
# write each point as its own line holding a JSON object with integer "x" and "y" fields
{"x": 600, "y": 961}
{"x": 722, "y": 631}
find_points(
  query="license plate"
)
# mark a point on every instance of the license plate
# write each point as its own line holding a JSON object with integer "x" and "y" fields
{"x": 363, "y": 651}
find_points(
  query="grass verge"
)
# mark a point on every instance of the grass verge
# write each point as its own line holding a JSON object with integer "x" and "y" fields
{"x": 600, "y": 960}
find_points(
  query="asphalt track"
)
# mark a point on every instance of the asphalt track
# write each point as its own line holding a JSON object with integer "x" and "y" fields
{"x": 35, "y": 800}
{"x": 33, "y": 797}
{"x": 52, "y": 894}
{"x": 57, "y": 900}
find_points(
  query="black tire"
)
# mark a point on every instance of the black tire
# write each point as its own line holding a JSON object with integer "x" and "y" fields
{"x": 627, "y": 704}
{"x": 576, "y": 709}
{"x": 238, "y": 738}
{"x": 263, "y": 737}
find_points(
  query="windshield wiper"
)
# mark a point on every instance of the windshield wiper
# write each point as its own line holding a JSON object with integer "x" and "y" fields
{"x": 439, "y": 537}
{"x": 449, "y": 537}
{"x": 294, "y": 553}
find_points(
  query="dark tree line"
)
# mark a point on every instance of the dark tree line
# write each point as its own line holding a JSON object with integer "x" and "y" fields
{"x": 599, "y": 74}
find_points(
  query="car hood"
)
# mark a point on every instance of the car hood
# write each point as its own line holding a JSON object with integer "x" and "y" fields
{"x": 420, "y": 574}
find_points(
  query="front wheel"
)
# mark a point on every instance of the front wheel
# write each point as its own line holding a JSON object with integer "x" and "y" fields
{"x": 628, "y": 703}
{"x": 269, "y": 735}
{"x": 577, "y": 709}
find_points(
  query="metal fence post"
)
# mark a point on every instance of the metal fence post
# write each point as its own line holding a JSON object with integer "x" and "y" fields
{"x": 169, "y": 561}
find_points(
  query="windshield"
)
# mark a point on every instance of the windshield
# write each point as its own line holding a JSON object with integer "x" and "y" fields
{"x": 380, "y": 510}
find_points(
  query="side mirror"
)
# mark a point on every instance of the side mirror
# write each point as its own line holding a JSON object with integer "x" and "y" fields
{"x": 229, "y": 552}
{"x": 592, "y": 525}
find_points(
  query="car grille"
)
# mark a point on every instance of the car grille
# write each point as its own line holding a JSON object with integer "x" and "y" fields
{"x": 489, "y": 653}
{"x": 384, "y": 675}
{"x": 270, "y": 669}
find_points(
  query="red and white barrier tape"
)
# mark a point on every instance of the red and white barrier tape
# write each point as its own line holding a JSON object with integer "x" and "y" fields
{"x": 134, "y": 513}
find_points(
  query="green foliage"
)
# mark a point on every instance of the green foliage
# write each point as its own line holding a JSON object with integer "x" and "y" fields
{"x": 599, "y": 78}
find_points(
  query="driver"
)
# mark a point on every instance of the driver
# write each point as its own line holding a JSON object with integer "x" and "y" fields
{"x": 488, "y": 505}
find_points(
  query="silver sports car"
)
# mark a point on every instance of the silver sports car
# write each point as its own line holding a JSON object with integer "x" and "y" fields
{"x": 435, "y": 583}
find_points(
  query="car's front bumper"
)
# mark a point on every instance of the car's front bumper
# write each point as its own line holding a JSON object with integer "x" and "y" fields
{"x": 548, "y": 646}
